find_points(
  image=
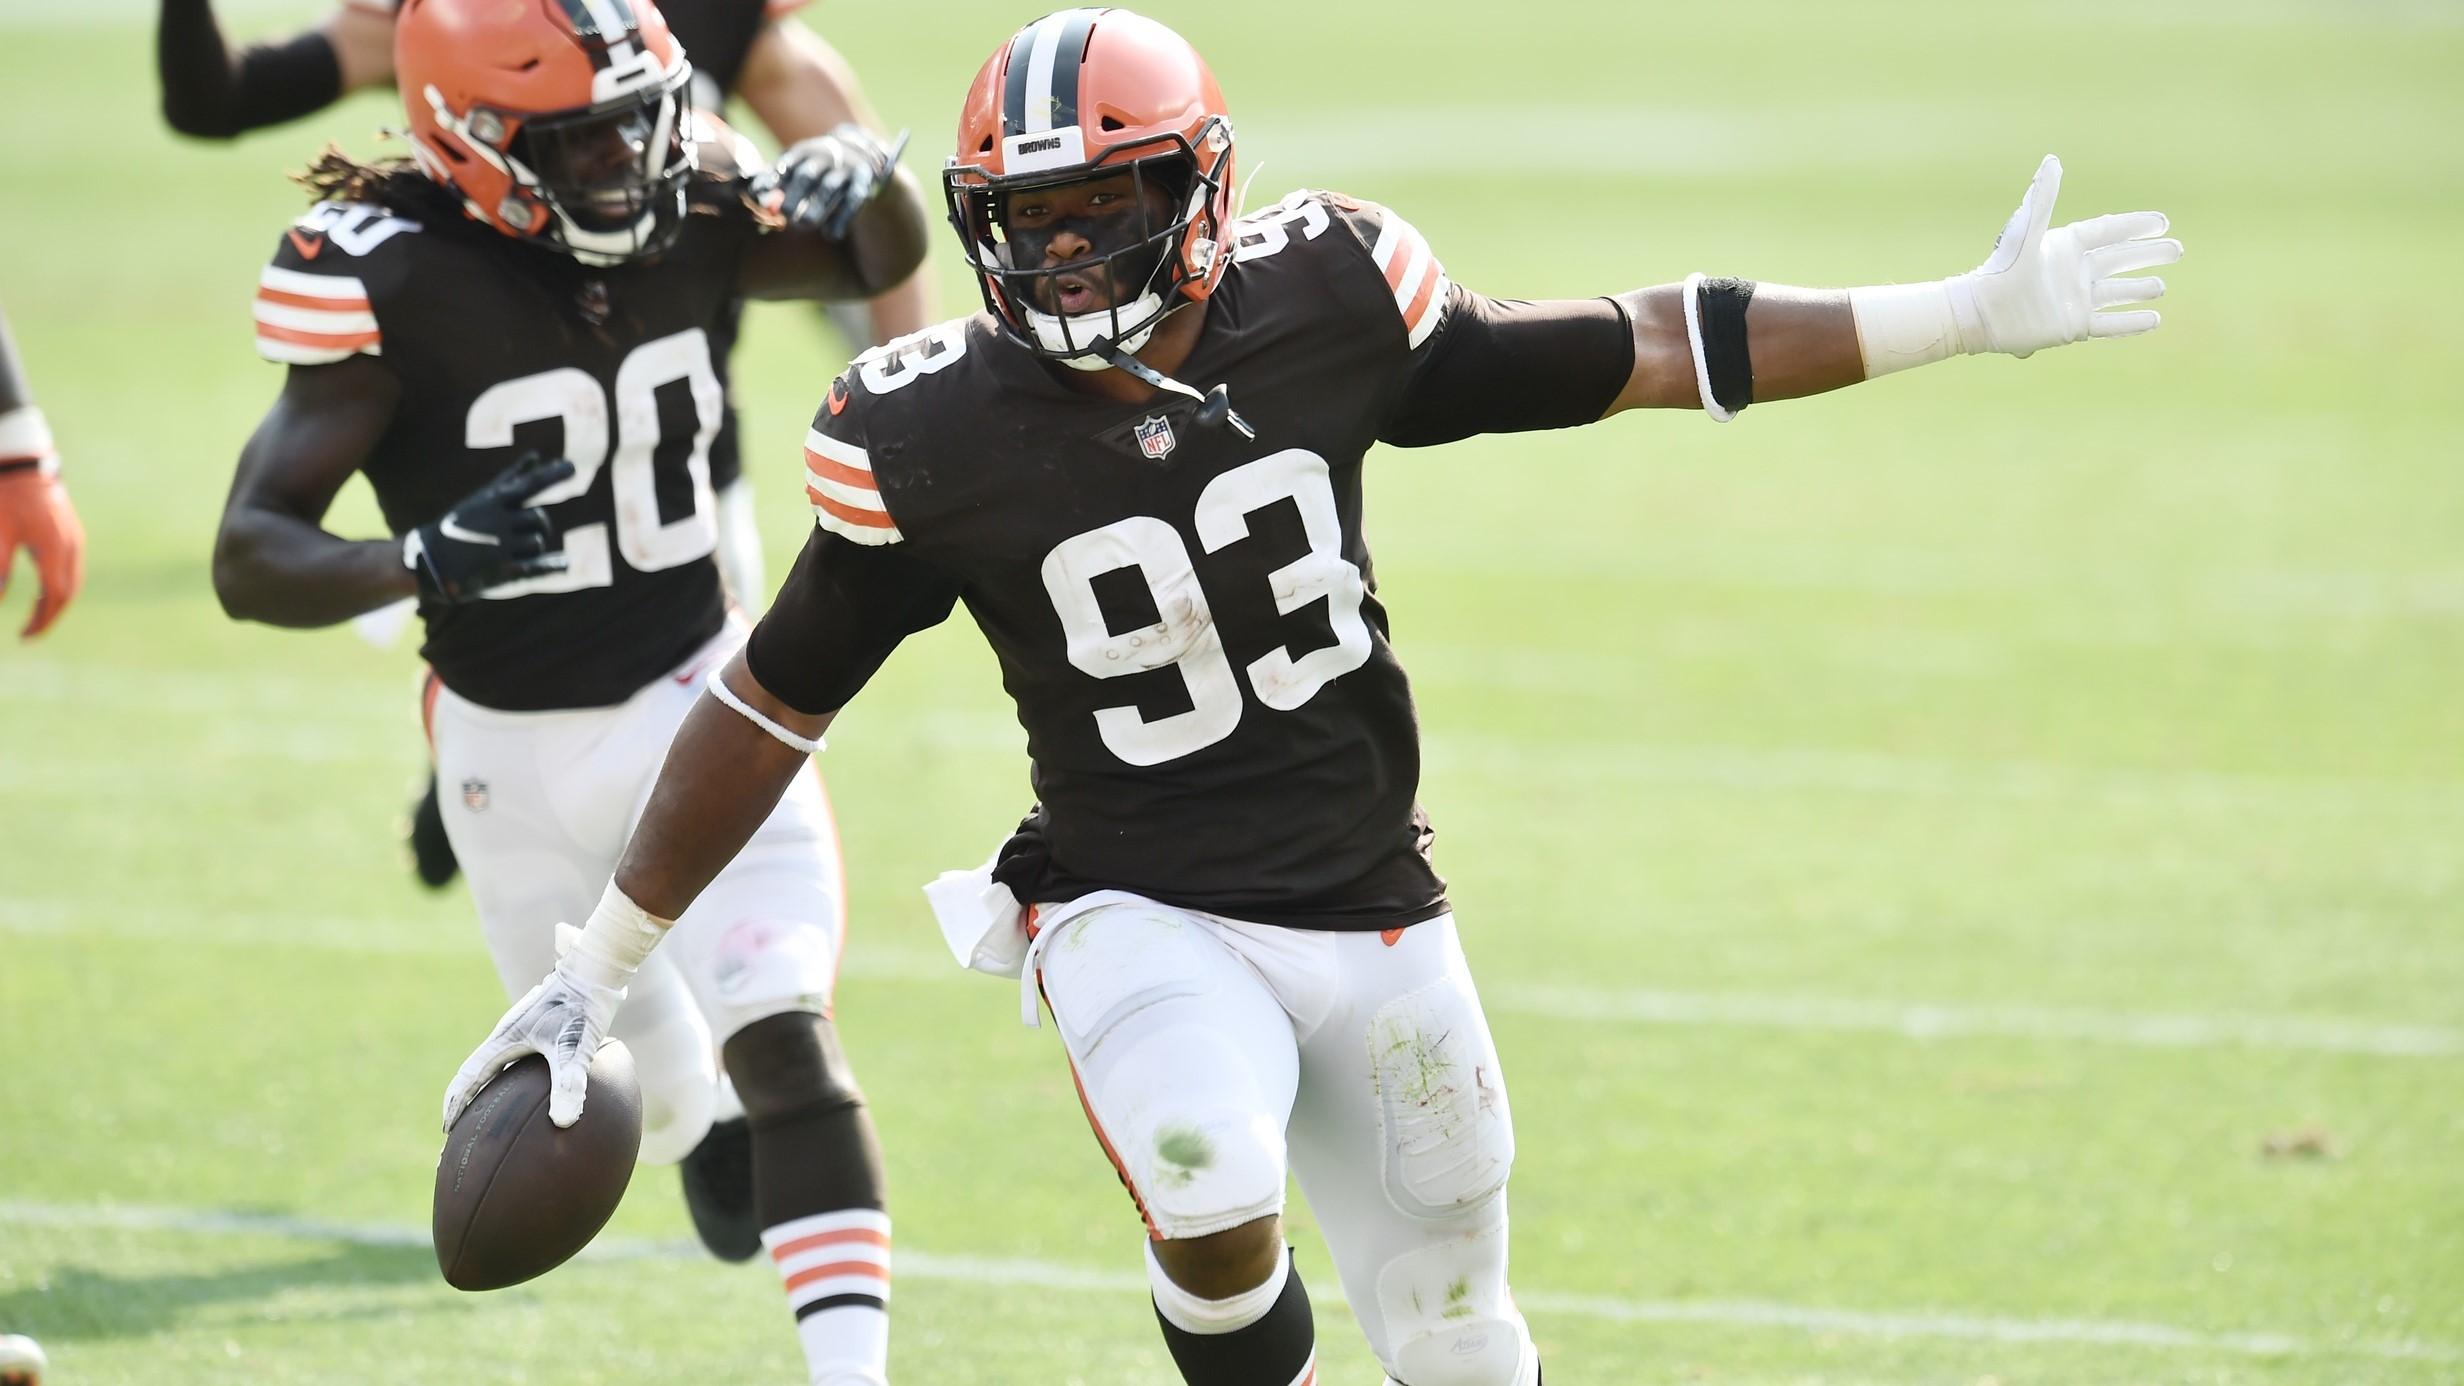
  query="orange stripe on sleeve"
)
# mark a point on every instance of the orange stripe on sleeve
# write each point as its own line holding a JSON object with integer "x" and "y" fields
{"x": 324, "y": 305}
{"x": 1402, "y": 261}
{"x": 869, "y": 519}
{"x": 1421, "y": 296}
{"x": 839, "y": 472}
{"x": 336, "y": 341}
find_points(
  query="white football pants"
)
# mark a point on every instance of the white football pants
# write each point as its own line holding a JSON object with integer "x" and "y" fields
{"x": 1213, "y": 1055}
{"x": 538, "y": 806}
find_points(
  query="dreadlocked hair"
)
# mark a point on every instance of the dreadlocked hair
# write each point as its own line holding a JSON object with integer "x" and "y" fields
{"x": 397, "y": 183}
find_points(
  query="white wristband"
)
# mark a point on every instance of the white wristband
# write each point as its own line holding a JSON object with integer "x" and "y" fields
{"x": 809, "y": 745}
{"x": 612, "y": 946}
{"x": 24, "y": 434}
{"x": 1903, "y": 325}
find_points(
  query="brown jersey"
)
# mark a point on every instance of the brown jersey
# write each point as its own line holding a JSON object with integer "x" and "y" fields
{"x": 1186, "y": 619}
{"x": 502, "y": 348}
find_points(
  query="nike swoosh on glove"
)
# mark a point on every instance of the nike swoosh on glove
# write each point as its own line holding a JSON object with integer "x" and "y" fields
{"x": 493, "y": 536}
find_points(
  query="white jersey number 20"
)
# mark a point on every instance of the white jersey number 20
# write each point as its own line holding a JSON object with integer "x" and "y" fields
{"x": 1185, "y": 637}
{"x": 573, "y": 398}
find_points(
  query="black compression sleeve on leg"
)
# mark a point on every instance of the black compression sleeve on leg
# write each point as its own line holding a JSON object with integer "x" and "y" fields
{"x": 209, "y": 94}
{"x": 1275, "y": 1349}
{"x": 1726, "y": 355}
{"x": 814, "y": 1150}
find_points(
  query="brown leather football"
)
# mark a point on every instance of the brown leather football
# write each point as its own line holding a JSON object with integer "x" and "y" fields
{"x": 515, "y": 1196}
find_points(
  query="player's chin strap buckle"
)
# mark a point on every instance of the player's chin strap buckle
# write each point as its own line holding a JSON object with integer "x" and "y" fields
{"x": 1214, "y": 407}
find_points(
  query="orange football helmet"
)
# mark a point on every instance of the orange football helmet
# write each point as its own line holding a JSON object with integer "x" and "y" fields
{"x": 1080, "y": 95}
{"x": 559, "y": 122}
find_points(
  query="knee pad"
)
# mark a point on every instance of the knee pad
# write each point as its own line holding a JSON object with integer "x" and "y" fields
{"x": 1448, "y": 1314}
{"x": 763, "y": 967}
{"x": 1449, "y": 1137}
{"x": 1201, "y": 1171}
{"x": 1474, "y": 1352}
{"x": 1174, "y": 1070}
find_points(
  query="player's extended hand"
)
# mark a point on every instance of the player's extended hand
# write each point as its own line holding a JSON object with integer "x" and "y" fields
{"x": 35, "y": 515}
{"x": 491, "y": 537}
{"x": 564, "y": 1018}
{"x": 2043, "y": 288}
{"x": 821, "y": 183}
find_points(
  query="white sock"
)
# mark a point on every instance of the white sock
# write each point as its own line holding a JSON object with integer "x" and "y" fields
{"x": 836, "y": 1267}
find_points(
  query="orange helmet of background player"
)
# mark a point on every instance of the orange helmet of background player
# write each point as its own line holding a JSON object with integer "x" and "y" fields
{"x": 556, "y": 121}
{"x": 1080, "y": 95}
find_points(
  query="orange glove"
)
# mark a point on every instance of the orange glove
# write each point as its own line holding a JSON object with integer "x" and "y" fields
{"x": 35, "y": 512}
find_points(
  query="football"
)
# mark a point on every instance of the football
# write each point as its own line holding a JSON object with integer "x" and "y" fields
{"x": 515, "y": 1196}
{"x": 21, "y": 1360}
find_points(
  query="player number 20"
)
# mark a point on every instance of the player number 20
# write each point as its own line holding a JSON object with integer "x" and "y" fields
{"x": 576, "y": 400}
{"x": 1185, "y": 636}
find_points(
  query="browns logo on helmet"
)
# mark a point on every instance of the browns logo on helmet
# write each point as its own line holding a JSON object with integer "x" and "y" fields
{"x": 1077, "y": 96}
{"x": 556, "y": 121}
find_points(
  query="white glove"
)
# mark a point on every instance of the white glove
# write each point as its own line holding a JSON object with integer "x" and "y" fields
{"x": 2040, "y": 288}
{"x": 565, "y": 1018}
{"x": 2043, "y": 288}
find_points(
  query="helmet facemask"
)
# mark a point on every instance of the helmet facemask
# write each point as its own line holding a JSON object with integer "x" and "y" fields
{"x": 604, "y": 183}
{"x": 1141, "y": 259}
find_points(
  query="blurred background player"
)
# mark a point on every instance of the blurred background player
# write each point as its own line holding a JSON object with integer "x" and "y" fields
{"x": 794, "y": 82}
{"x": 1249, "y": 956}
{"x": 548, "y": 279}
{"x": 35, "y": 514}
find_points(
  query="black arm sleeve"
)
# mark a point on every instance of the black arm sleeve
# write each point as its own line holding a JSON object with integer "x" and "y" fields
{"x": 1510, "y": 366}
{"x": 210, "y": 94}
{"x": 843, "y": 608}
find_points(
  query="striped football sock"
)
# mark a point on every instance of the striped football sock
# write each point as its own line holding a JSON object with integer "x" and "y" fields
{"x": 836, "y": 1267}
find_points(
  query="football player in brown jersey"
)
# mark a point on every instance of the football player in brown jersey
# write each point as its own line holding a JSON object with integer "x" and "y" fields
{"x": 792, "y": 80}
{"x": 35, "y": 514}
{"x": 546, "y": 280}
{"x": 1224, "y": 895}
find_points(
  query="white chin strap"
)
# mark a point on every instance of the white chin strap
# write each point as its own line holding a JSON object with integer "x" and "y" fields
{"x": 604, "y": 248}
{"x": 1079, "y": 333}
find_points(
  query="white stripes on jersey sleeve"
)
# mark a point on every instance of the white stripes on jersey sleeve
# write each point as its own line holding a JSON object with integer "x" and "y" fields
{"x": 313, "y": 319}
{"x": 838, "y": 480}
{"x": 1413, "y": 275}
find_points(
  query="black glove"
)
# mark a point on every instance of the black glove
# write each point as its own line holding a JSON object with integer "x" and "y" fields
{"x": 821, "y": 183}
{"x": 490, "y": 537}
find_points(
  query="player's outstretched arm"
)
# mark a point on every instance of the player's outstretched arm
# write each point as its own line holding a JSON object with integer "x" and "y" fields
{"x": 35, "y": 514}
{"x": 213, "y": 93}
{"x": 733, "y": 758}
{"x": 1721, "y": 344}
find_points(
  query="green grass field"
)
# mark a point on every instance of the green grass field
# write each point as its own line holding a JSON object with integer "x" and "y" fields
{"x": 1923, "y": 848}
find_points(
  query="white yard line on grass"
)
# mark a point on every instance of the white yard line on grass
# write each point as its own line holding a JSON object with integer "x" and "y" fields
{"x": 1925, "y": 1021}
{"x": 1915, "y": 1020}
{"x": 1047, "y": 1276}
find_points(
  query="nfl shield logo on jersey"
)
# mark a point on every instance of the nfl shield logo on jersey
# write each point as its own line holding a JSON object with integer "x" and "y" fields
{"x": 1154, "y": 434}
{"x": 475, "y": 795}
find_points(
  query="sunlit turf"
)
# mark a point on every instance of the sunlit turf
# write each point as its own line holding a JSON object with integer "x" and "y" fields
{"x": 2103, "y": 708}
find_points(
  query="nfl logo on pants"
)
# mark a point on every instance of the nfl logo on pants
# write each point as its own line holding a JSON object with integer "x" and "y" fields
{"x": 1155, "y": 436}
